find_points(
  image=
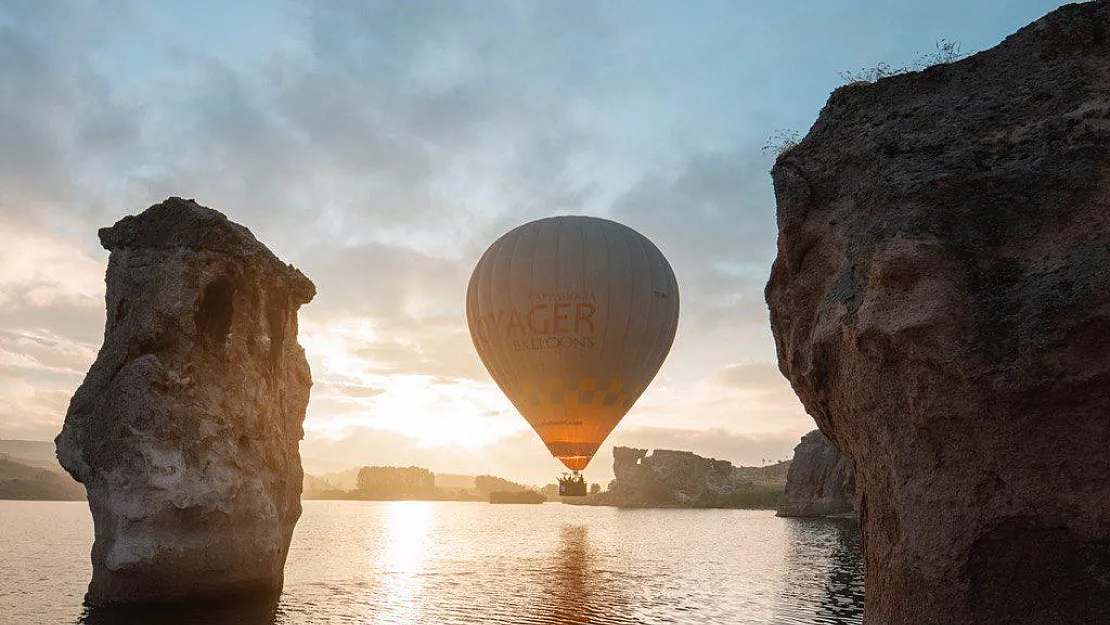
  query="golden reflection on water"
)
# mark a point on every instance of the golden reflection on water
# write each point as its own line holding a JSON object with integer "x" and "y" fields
{"x": 569, "y": 586}
{"x": 407, "y": 525}
{"x": 448, "y": 563}
{"x": 578, "y": 590}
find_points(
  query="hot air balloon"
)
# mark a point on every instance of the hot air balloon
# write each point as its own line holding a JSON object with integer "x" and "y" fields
{"x": 572, "y": 316}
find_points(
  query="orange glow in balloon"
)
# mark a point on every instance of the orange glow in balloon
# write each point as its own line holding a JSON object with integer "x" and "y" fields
{"x": 572, "y": 316}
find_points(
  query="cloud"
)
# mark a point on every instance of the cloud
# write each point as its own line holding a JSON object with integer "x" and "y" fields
{"x": 354, "y": 391}
{"x": 39, "y": 371}
{"x": 520, "y": 456}
{"x": 382, "y": 147}
{"x": 42, "y": 351}
{"x": 58, "y": 109}
{"x": 711, "y": 219}
{"x": 51, "y": 316}
{"x": 30, "y": 411}
{"x": 758, "y": 377}
{"x": 40, "y": 270}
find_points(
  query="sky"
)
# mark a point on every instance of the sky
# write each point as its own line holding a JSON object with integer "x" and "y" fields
{"x": 382, "y": 146}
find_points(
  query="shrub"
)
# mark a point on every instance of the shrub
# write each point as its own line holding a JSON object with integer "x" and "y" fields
{"x": 946, "y": 52}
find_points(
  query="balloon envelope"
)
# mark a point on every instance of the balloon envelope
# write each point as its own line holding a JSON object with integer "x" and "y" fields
{"x": 572, "y": 316}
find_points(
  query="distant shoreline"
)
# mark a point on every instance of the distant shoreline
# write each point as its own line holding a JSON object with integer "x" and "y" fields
{"x": 345, "y": 496}
{"x": 467, "y": 500}
{"x": 655, "y": 506}
{"x": 570, "y": 501}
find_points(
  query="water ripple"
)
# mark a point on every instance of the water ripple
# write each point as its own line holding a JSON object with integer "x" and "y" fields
{"x": 463, "y": 563}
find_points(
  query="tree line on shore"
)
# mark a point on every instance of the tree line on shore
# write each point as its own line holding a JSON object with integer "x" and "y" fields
{"x": 415, "y": 483}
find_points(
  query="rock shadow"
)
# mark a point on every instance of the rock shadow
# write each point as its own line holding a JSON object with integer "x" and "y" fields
{"x": 256, "y": 609}
{"x": 828, "y": 550}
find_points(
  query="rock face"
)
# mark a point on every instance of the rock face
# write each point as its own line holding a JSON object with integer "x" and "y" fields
{"x": 820, "y": 482}
{"x": 941, "y": 304}
{"x": 682, "y": 476}
{"x": 185, "y": 431}
{"x": 679, "y": 478}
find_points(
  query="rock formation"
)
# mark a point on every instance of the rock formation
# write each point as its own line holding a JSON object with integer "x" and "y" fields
{"x": 820, "y": 482}
{"x": 682, "y": 478}
{"x": 941, "y": 304}
{"x": 185, "y": 431}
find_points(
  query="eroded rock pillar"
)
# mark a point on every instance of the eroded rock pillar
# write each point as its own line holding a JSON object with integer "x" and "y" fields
{"x": 185, "y": 431}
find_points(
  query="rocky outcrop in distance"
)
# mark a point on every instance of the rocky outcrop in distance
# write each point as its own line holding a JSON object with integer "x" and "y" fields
{"x": 185, "y": 432}
{"x": 682, "y": 478}
{"x": 820, "y": 482}
{"x": 941, "y": 304}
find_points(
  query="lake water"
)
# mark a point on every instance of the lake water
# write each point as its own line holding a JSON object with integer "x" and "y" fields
{"x": 474, "y": 563}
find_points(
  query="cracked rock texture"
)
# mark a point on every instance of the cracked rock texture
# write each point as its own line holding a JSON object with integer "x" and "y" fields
{"x": 820, "y": 482}
{"x": 185, "y": 431}
{"x": 941, "y": 304}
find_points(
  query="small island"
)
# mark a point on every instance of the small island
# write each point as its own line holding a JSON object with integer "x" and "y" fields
{"x": 682, "y": 479}
{"x": 385, "y": 483}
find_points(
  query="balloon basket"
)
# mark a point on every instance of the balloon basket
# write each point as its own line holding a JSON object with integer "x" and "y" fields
{"x": 572, "y": 485}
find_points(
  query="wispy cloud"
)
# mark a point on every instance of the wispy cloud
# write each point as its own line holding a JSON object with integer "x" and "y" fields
{"x": 381, "y": 147}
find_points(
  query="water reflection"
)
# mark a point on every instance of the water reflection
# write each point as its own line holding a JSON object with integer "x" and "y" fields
{"x": 258, "y": 609}
{"x": 843, "y": 601}
{"x": 568, "y": 586}
{"x": 470, "y": 564}
{"x": 825, "y": 570}
{"x": 577, "y": 588}
{"x": 401, "y": 563}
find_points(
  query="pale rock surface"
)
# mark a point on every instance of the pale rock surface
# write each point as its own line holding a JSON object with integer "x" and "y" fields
{"x": 941, "y": 304}
{"x": 820, "y": 482}
{"x": 185, "y": 431}
{"x": 669, "y": 477}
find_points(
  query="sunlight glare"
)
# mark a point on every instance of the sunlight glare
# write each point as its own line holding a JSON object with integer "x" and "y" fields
{"x": 432, "y": 410}
{"x": 406, "y": 550}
